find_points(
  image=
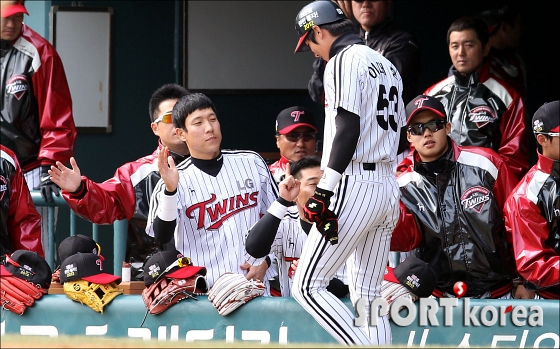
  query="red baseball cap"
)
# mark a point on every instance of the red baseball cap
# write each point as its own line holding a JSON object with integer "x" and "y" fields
{"x": 13, "y": 8}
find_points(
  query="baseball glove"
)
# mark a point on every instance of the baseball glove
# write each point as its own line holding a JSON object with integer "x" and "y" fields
{"x": 17, "y": 294}
{"x": 162, "y": 294}
{"x": 95, "y": 296}
{"x": 231, "y": 291}
{"x": 391, "y": 291}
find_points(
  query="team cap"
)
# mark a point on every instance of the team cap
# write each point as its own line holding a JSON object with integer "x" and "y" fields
{"x": 77, "y": 243}
{"x": 28, "y": 266}
{"x": 86, "y": 266}
{"x": 316, "y": 13}
{"x": 547, "y": 118}
{"x": 414, "y": 274}
{"x": 13, "y": 8}
{"x": 170, "y": 264}
{"x": 423, "y": 102}
{"x": 294, "y": 117}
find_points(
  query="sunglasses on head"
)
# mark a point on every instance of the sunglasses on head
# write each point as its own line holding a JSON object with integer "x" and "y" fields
{"x": 165, "y": 118}
{"x": 295, "y": 136}
{"x": 433, "y": 126}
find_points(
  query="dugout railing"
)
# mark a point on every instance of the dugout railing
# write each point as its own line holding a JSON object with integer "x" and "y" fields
{"x": 119, "y": 231}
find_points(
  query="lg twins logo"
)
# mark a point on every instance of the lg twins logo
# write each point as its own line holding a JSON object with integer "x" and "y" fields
{"x": 17, "y": 85}
{"x": 3, "y": 187}
{"x": 475, "y": 198}
{"x": 482, "y": 115}
{"x": 219, "y": 211}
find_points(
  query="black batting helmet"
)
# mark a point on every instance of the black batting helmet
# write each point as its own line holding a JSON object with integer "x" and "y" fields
{"x": 316, "y": 13}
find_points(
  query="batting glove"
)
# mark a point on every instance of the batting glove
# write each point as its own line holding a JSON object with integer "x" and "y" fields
{"x": 47, "y": 186}
{"x": 316, "y": 207}
{"x": 328, "y": 227}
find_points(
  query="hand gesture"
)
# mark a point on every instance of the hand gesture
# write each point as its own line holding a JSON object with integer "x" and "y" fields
{"x": 68, "y": 179}
{"x": 255, "y": 272}
{"x": 168, "y": 170}
{"x": 289, "y": 186}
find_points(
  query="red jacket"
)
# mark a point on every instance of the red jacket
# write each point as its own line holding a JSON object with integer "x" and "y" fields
{"x": 278, "y": 169}
{"x": 125, "y": 196}
{"x": 532, "y": 214}
{"x": 485, "y": 112}
{"x": 36, "y": 103}
{"x": 20, "y": 226}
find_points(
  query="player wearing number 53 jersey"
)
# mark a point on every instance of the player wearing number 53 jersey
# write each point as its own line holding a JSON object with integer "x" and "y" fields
{"x": 355, "y": 205}
{"x": 209, "y": 201}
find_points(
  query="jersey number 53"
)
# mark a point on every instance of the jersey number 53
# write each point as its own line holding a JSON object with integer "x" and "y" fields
{"x": 383, "y": 109}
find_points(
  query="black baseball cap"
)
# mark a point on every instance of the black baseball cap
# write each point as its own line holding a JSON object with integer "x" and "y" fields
{"x": 28, "y": 266}
{"x": 414, "y": 274}
{"x": 293, "y": 117}
{"x": 169, "y": 264}
{"x": 547, "y": 118}
{"x": 77, "y": 243}
{"x": 316, "y": 13}
{"x": 423, "y": 102}
{"x": 86, "y": 266}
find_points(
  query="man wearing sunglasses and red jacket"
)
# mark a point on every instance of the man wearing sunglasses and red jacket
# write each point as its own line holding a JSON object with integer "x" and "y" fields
{"x": 127, "y": 194}
{"x": 451, "y": 207}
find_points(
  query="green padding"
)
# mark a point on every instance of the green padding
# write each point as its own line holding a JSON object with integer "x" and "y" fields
{"x": 270, "y": 319}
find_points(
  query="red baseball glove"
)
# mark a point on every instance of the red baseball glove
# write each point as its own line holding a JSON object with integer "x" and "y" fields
{"x": 162, "y": 294}
{"x": 17, "y": 294}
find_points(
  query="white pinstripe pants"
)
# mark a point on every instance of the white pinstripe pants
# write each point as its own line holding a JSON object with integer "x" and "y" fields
{"x": 368, "y": 209}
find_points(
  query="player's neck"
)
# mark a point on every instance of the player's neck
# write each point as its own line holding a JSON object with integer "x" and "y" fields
{"x": 211, "y": 167}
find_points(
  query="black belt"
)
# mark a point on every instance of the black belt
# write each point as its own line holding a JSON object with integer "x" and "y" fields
{"x": 367, "y": 166}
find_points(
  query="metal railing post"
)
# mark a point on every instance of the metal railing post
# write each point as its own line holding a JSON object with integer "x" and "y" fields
{"x": 119, "y": 245}
{"x": 120, "y": 229}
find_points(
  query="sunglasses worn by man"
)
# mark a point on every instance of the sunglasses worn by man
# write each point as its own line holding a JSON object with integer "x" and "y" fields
{"x": 432, "y": 125}
{"x": 165, "y": 118}
{"x": 295, "y": 136}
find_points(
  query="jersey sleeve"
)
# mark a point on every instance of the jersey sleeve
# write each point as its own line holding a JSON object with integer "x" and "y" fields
{"x": 348, "y": 74}
{"x": 513, "y": 145}
{"x": 406, "y": 235}
{"x": 23, "y": 221}
{"x": 106, "y": 202}
{"x": 268, "y": 187}
{"x": 55, "y": 109}
{"x": 156, "y": 204}
{"x": 535, "y": 261}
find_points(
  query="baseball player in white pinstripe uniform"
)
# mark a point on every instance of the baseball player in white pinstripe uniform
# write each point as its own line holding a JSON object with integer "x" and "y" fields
{"x": 355, "y": 205}
{"x": 210, "y": 200}
{"x": 283, "y": 230}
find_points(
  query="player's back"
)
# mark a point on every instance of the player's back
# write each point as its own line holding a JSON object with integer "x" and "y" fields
{"x": 362, "y": 81}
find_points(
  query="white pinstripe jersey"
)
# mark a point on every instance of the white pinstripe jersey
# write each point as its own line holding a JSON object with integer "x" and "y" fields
{"x": 214, "y": 213}
{"x": 363, "y": 82}
{"x": 287, "y": 246}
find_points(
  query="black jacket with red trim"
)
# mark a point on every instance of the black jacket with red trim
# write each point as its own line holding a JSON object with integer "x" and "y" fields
{"x": 532, "y": 214}
{"x": 454, "y": 218}
{"x": 484, "y": 112}
{"x": 36, "y": 105}
{"x": 124, "y": 196}
{"x": 20, "y": 223}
